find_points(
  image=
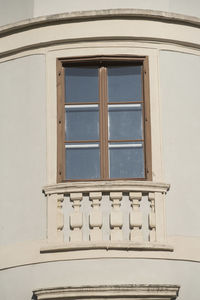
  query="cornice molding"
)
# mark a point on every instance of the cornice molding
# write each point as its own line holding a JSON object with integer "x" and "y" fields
{"x": 96, "y": 15}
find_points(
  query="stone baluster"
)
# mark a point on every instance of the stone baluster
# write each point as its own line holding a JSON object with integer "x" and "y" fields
{"x": 95, "y": 217}
{"x": 152, "y": 218}
{"x": 116, "y": 219}
{"x": 76, "y": 218}
{"x": 136, "y": 217}
{"x": 60, "y": 218}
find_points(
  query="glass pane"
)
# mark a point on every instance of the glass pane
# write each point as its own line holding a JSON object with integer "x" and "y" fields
{"x": 81, "y": 84}
{"x": 126, "y": 160}
{"x": 82, "y": 161}
{"x": 124, "y": 83}
{"x": 82, "y": 122}
{"x": 125, "y": 122}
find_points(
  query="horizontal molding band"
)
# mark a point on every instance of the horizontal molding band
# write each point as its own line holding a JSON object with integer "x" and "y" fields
{"x": 29, "y": 253}
{"x": 122, "y": 25}
{"x": 75, "y": 41}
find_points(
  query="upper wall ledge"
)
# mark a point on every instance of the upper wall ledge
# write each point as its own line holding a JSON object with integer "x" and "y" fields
{"x": 99, "y": 14}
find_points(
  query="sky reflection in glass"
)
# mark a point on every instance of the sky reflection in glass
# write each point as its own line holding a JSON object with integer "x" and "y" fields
{"x": 126, "y": 160}
{"x": 124, "y": 83}
{"x": 81, "y": 84}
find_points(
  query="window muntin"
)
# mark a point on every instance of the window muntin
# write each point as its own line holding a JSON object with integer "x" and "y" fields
{"x": 105, "y": 118}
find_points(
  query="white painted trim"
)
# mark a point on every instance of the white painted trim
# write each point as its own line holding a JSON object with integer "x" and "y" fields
{"x": 81, "y": 106}
{"x": 76, "y": 146}
{"x": 122, "y": 145}
{"x": 123, "y": 105}
{"x": 122, "y": 291}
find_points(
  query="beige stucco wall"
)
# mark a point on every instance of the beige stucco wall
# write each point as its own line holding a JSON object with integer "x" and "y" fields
{"x": 28, "y": 136}
{"x": 23, "y": 149}
{"x": 12, "y": 11}
{"x": 29, "y": 56}
{"x": 180, "y": 96}
{"x": 19, "y": 283}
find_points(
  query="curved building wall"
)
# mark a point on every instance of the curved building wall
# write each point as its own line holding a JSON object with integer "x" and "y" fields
{"x": 28, "y": 153}
{"x": 19, "y": 283}
{"x": 23, "y": 154}
{"x": 180, "y": 110}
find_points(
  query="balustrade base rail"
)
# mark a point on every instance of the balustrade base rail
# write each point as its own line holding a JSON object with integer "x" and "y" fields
{"x": 127, "y": 246}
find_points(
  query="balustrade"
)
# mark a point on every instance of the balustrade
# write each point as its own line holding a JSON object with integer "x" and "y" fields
{"x": 100, "y": 212}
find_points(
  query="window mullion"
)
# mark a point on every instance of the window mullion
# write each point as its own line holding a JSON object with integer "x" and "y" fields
{"x": 103, "y": 122}
{"x": 105, "y": 113}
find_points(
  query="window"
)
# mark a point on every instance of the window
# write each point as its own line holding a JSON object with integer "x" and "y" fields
{"x": 103, "y": 119}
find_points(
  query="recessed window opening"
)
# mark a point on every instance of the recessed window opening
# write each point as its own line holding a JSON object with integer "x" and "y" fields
{"x": 103, "y": 119}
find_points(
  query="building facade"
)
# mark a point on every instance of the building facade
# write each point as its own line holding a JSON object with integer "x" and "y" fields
{"x": 99, "y": 156}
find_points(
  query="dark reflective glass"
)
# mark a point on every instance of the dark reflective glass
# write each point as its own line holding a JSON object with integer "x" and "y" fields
{"x": 83, "y": 162}
{"x": 81, "y": 84}
{"x": 124, "y": 83}
{"x": 126, "y": 160}
{"x": 82, "y": 123}
{"x": 125, "y": 122}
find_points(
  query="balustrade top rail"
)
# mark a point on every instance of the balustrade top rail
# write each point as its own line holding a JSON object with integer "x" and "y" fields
{"x": 106, "y": 186}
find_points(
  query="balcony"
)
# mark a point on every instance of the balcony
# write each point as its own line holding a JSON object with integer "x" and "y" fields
{"x": 125, "y": 215}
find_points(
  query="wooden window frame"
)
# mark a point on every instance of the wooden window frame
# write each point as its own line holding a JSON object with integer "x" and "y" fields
{"x": 103, "y": 139}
